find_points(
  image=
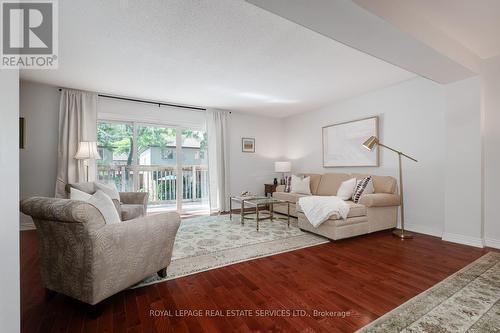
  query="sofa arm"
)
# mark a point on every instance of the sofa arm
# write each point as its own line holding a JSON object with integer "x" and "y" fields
{"x": 134, "y": 198}
{"x": 280, "y": 188}
{"x": 380, "y": 200}
{"x": 125, "y": 253}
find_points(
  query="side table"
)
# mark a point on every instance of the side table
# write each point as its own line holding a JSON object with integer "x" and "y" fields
{"x": 269, "y": 189}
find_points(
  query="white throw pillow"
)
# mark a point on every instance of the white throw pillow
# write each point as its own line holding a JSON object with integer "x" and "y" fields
{"x": 99, "y": 200}
{"x": 110, "y": 190}
{"x": 346, "y": 189}
{"x": 299, "y": 185}
{"x": 75, "y": 194}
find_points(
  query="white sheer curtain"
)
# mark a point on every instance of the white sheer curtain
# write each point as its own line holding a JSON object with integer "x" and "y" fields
{"x": 218, "y": 158}
{"x": 77, "y": 122}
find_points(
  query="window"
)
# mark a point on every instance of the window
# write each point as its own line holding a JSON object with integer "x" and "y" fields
{"x": 139, "y": 157}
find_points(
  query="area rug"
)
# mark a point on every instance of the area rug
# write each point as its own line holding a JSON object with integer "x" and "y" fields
{"x": 208, "y": 242}
{"x": 467, "y": 301}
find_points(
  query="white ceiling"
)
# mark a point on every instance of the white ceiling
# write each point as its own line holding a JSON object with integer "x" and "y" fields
{"x": 214, "y": 53}
{"x": 473, "y": 23}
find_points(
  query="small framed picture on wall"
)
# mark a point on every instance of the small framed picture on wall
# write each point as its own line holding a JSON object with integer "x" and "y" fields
{"x": 22, "y": 133}
{"x": 248, "y": 145}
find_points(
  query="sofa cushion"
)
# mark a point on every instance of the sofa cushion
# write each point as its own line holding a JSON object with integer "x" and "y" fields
{"x": 355, "y": 210}
{"x": 330, "y": 183}
{"x": 315, "y": 179}
{"x": 381, "y": 184}
{"x": 291, "y": 197}
{"x": 130, "y": 212}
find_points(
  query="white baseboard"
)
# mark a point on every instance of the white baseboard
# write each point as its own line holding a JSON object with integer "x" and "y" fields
{"x": 490, "y": 242}
{"x": 423, "y": 229}
{"x": 461, "y": 239}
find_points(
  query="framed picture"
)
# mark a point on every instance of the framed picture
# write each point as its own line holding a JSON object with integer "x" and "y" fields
{"x": 343, "y": 144}
{"x": 248, "y": 145}
{"x": 22, "y": 133}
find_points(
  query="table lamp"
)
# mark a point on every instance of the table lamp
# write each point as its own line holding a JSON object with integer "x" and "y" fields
{"x": 282, "y": 167}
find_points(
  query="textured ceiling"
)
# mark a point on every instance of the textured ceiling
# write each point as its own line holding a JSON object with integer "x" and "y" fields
{"x": 214, "y": 53}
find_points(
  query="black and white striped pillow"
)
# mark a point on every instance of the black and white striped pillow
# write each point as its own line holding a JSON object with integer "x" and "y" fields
{"x": 288, "y": 183}
{"x": 360, "y": 187}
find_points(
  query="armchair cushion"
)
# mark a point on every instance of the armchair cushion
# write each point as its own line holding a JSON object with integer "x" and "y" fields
{"x": 87, "y": 187}
{"x": 109, "y": 189}
{"x": 133, "y": 198}
{"x": 123, "y": 198}
{"x": 380, "y": 200}
{"x": 130, "y": 212}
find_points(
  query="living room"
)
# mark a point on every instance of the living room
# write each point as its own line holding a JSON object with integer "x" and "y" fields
{"x": 215, "y": 165}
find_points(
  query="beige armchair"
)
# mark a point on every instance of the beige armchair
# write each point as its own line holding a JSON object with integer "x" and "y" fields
{"x": 132, "y": 204}
{"x": 84, "y": 258}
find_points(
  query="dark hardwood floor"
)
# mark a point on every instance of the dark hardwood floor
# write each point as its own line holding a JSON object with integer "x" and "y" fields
{"x": 365, "y": 277}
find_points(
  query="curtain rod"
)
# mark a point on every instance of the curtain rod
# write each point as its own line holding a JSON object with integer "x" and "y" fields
{"x": 149, "y": 102}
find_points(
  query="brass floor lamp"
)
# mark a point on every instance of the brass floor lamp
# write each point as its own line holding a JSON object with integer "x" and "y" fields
{"x": 369, "y": 144}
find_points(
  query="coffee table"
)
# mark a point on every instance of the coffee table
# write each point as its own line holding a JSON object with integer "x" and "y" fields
{"x": 256, "y": 203}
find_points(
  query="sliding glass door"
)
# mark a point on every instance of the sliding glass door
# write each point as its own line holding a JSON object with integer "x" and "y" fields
{"x": 157, "y": 165}
{"x": 194, "y": 171}
{"x": 115, "y": 142}
{"x": 170, "y": 163}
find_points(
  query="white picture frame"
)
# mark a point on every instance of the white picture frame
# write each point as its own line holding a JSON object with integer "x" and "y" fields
{"x": 248, "y": 145}
{"x": 343, "y": 144}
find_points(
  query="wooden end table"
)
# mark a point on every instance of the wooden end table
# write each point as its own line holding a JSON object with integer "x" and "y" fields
{"x": 269, "y": 189}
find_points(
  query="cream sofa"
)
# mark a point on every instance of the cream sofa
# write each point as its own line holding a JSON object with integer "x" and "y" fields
{"x": 374, "y": 212}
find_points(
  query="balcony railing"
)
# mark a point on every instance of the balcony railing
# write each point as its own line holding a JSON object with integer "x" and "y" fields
{"x": 158, "y": 181}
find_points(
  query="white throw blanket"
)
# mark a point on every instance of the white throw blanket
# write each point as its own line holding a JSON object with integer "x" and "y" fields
{"x": 318, "y": 209}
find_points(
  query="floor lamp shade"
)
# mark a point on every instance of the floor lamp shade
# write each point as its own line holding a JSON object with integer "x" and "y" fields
{"x": 87, "y": 150}
{"x": 370, "y": 142}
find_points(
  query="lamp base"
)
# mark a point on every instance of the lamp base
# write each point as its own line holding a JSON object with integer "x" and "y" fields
{"x": 402, "y": 234}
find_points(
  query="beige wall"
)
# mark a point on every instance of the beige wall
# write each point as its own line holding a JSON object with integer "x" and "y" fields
{"x": 39, "y": 104}
{"x": 250, "y": 171}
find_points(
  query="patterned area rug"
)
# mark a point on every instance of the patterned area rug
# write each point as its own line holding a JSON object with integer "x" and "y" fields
{"x": 467, "y": 301}
{"x": 209, "y": 242}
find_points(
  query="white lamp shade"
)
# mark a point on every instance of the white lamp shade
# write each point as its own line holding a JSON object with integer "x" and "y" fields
{"x": 87, "y": 150}
{"x": 282, "y": 166}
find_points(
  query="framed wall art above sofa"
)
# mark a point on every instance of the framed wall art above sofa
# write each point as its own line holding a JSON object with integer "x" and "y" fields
{"x": 343, "y": 144}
